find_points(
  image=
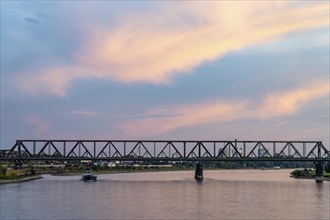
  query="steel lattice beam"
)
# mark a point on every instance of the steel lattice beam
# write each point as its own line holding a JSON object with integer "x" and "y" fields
{"x": 166, "y": 150}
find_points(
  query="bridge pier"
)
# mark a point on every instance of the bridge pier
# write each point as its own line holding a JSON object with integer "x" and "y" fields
{"x": 199, "y": 171}
{"x": 18, "y": 163}
{"x": 318, "y": 169}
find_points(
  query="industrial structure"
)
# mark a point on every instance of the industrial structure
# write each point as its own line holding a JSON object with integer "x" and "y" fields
{"x": 168, "y": 150}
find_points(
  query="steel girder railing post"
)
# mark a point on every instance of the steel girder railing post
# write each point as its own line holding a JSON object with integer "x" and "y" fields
{"x": 94, "y": 149}
{"x": 184, "y": 149}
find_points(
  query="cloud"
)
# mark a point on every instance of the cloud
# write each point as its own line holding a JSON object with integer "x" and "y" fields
{"x": 281, "y": 123}
{"x": 49, "y": 81}
{"x": 84, "y": 113}
{"x": 289, "y": 102}
{"x": 128, "y": 117}
{"x": 37, "y": 124}
{"x": 152, "y": 46}
{"x": 275, "y": 105}
{"x": 159, "y": 115}
{"x": 31, "y": 20}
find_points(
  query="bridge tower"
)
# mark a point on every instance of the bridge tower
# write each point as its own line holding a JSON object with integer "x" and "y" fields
{"x": 199, "y": 171}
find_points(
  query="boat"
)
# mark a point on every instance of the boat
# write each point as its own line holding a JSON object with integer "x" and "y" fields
{"x": 88, "y": 176}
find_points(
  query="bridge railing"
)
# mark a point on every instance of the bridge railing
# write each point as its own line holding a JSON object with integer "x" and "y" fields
{"x": 167, "y": 150}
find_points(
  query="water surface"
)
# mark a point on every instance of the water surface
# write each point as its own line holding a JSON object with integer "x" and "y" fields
{"x": 224, "y": 194}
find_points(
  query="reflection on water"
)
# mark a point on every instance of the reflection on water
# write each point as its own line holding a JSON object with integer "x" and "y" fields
{"x": 224, "y": 194}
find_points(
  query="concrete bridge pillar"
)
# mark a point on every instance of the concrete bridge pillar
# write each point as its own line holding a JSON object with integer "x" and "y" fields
{"x": 199, "y": 171}
{"x": 318, "y": 169}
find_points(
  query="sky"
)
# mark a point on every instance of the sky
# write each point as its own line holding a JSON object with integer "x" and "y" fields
{"x": 214, "y": 70}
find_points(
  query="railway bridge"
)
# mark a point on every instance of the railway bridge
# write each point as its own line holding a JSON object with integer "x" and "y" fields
{"x": 168, "y": 150}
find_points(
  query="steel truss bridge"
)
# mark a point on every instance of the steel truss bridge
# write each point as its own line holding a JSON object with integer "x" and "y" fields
{"x": 166, "y": 150}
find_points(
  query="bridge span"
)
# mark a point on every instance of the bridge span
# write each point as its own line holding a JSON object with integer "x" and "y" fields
{"x": 168, "y": 150}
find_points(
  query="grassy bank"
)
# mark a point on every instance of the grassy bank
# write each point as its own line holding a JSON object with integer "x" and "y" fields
{"x": 308, "y": 174}
{"x": 20, "y": 179}
{"x": 17, "y": 175}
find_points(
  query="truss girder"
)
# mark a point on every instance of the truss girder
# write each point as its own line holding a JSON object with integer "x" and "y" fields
{"x": 168, "y": 150}
{"x": 168, "y": 147}
{"x": 136, "y": 151}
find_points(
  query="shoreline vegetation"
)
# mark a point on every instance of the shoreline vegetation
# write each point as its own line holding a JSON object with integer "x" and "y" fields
{"x": 17, "y": 175}
{"x": 20, "y": 179}
{"x": 309, "y": 174}
{"x": 30, "y": 171}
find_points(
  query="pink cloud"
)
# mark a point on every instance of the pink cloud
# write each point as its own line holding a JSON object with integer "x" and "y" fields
{"x": 141, "y": 51}
{"x": 152, "y": 46}
{"x": 37, "y": 124}
{"x": 289, "y": 102}
{"x": 275, "y": 105}
{"x": 46, "y": 81}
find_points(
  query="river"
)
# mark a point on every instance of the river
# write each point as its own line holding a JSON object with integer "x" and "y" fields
{"x": 224, "y": 194}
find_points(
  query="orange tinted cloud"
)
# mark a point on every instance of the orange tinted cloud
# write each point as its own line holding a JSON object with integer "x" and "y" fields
{"x": 273, "y": 106}
{"x": 150, "y": 49}
{"x": 287, "y": 103}
{"x": 46, "y": 81}
{"x": 152, "y": 46}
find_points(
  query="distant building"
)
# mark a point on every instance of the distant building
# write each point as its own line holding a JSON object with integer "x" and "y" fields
{"x": 224, "y": 153}
{"x": 261, "y": 152}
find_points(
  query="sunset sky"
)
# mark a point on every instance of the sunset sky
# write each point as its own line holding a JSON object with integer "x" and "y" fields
{"x": 217, "y": 70}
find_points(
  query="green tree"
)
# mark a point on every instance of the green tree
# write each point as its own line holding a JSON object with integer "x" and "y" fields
{"x": 297, "y": 173}
{"x": 327, "y": 167}
{"x": 3, "y": 170}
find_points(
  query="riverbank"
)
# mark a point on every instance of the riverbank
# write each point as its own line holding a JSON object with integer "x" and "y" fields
{"x": 309, "y": 174}
{"x": 74, "y": 173}
{"x": 22, "y": 179}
